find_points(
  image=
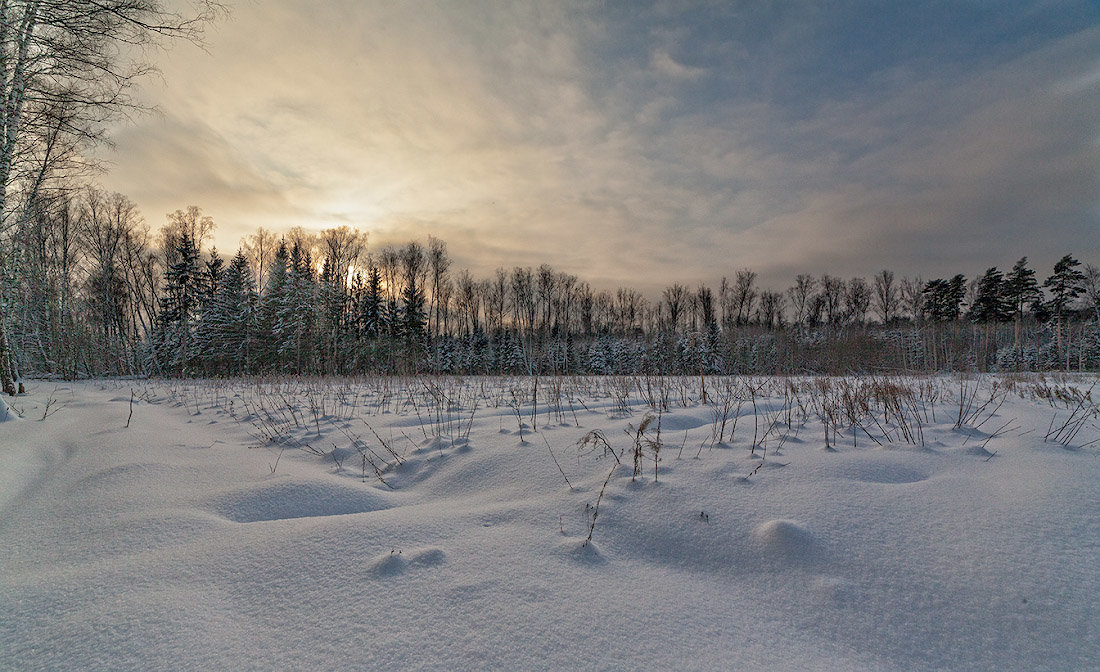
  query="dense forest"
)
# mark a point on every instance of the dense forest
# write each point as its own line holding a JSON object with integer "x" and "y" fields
{"x": 87, "y": 288}
{"x": 92, "y": 290}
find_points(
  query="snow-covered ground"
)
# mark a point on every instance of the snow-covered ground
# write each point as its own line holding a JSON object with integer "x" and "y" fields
{"x": 943, "y": 523}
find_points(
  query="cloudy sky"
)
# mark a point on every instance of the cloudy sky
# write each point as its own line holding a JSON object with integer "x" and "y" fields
{"x": 641, "y": 143}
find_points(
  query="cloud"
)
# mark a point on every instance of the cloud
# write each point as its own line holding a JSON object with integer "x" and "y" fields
{"x": 672, "y": 142}
{"x": 663, "y": 64}
{"x": 171, "y": 163}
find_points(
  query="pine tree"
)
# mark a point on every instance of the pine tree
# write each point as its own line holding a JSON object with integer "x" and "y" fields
{"x": 943, "y": 298}
{"x": 1021, "y": 290}
{"x": 990, "y": 303}
{"x": 173, "y": 346}
{"x": 1020, "y": 287}
{"x": 1065, "y": 285}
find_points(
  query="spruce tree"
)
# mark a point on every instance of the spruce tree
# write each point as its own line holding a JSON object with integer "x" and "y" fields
{"x": 231, "y": 320}
{"x": 210, "y": 279}
{"x": 271, "y": 355}
{"x": 372, "y": 312}
{"x": 413, "y": 317}
{"x": 295, "y": 324}
{"x": 174, "y": 334}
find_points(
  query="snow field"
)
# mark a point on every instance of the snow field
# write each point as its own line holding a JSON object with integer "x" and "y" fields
{"x": 428, "y": 524}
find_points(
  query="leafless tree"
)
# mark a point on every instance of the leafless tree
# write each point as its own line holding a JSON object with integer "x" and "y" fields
{"x": 744, "y": 295}
{"x": 857, "y": 300}
{"x": 259, "y": 248}
{"x": 725, "y": 304}
{"x": 523, "y": 299}
{"x": 886, "y": 296}
{"x": 389, "y": 261}
{"x": 495, "y": 295}
{"x": 629, "y": 306}
{"x": 770, "y": 309}
{"x": 586, "y": 308}
{"x": 704, "y": 298}
{"x": 439, "y": 265}
{"x": 832, "y": 294}
{"x": 190, "y": 222}
{"x": 467, "y": 302}
{"x": 800, "y": 295}
{"x": 912, "y": 298}
{"x": 603, "y": 312}
{"x": 566, "y": 301}
{"x": 107, "y": 223}
{"x": 546, "y": 284}
{"x": 1092, "y": 290}
{"x": 675, "y": 299}
{"x": 71, "y": 62}
{"x": 342, "y": 247}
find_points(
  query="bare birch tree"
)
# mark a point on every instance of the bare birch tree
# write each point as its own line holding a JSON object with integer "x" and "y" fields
{"x": 70, "y": 55}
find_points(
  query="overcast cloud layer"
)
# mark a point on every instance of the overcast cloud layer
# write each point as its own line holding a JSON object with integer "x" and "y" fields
{"x": 642, "y": 143}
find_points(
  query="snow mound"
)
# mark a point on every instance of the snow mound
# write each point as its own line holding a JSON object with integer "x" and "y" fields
{"x": 682, "y": 422}
{"x": 387, "y": 564}
{"x": 581, "y": 551}
{"x": 298, "y": 498}
{"x": 786, "y": 540}
{"x": 6, "y": 413}
{"x": 397, "y": 562}
{"x": 429, "y": 557}
{"x": 977, "y": 451}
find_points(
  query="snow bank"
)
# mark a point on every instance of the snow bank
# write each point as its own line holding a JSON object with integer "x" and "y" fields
{"x": 230, "y": 527}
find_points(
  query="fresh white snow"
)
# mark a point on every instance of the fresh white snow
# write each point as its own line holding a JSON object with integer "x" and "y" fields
{"x": 405, "y": 524}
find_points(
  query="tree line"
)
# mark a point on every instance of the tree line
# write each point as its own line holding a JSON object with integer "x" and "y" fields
{"x": 87, "y": 288}
{"x": 99, "y": 293}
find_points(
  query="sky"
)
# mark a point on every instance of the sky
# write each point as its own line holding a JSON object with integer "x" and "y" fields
{"x": 639, "y": 143}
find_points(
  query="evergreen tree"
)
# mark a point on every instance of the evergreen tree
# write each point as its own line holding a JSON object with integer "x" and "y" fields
{"x": 231, "y": 319}
{"x": 413, "y": 315}
{"x": 1021, "y": 290}
{"x": 943, "y": 298}
{"x": 210, "y": 279}
{"x": 372, "y": 313}
{"x": 990, "y": 303}
{"x": 174, "y": 335}
{"x": 331, "y": 301}
{"x": 1065, "y": 285}
{"x": 295, "y": 324}
{"x": 1020, "y": 287}
{"x": 271, "y": 354}
{"x": 212, "y": 276}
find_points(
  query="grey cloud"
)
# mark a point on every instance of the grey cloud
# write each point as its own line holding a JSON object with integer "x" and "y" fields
{"x": 531, "y": 132}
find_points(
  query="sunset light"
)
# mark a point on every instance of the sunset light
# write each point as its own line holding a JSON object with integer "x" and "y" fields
{"x": 550, "y": 335}
{"x": 701, "y": 137}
